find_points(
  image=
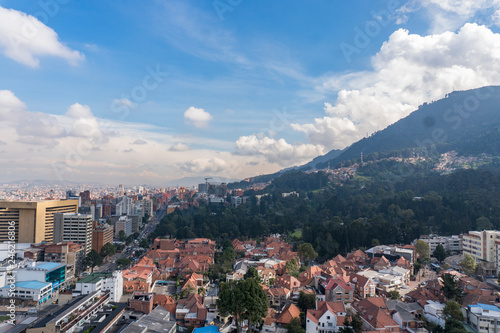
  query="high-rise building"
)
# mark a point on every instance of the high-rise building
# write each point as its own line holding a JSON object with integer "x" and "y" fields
{"x": 32, "y": 222}
{"x": 69, "y": 253}
{"x": 125, "y": 206}
{"x": 73, "y": 228}
{"x": 125, "y": 224}
{"x": 484, "y": 246}
{"x": 85, "y": 195}
{"x": 102, "y": 235}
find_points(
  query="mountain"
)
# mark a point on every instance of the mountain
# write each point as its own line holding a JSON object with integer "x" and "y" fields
{"x": 321, "y": 159}
{"x": 471, "y": 116}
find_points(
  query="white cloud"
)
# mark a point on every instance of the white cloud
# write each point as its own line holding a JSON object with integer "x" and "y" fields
{"x": 408, "y": 71}
{"x": 139, "y": 142}
{"x": 205, "y": 166}
{"x": 117, "y": 102}
{"x": 24, "y": 39}
{"x": 179, "y": 147}
{"x": 197, "y": 117}
{"x": 449, "y": 15}
{"x": 277, "y": 151}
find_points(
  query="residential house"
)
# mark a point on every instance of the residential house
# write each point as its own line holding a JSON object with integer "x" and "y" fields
{"x": 338, "y": 290}
{"x": 363, "y": 286}
{"x": 328, "y": 317}
{"x": 375, "y": 315}
{"x": 278, "y": 297}
{"x": 286, "y": 281}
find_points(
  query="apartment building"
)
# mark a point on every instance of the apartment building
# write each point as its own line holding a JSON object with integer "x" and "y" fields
{"x": 102, "y": 235}
{"x": 74, "y": 228}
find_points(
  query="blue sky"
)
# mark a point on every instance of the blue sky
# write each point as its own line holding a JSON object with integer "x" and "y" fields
{"x": 243, "y": 87}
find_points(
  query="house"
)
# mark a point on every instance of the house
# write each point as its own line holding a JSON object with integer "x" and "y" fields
{"x": 363, "y": 286}
{"x": 307, "y": 276}
{"x": 191, "y": 311}
{"x": 433, "y": 312}
{"x": 286, "y": 281}
{"x": 278, "y": 297}
{"x": 407, "y": 315}
{"x": 380, "y": 263}
{"x": 269, "y": 324}
{"x": 266, "y": 274}
{"x": 375, "y": 315}
{"x": 338, "y": 290}
{"x": 287, "y": 314}
{"x": 328, "y": 317}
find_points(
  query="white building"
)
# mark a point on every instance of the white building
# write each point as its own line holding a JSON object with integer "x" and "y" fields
{"x": 484, "y": 246}
{"x": 72, "y": 227}
{"x": 452, "y": 244}
{"x": 125, "y": 206}
{"x": 433, "y": 312}
{"x": 34, "y": 290}
{"x": 125, "y": 224}
{"x": 101, "y": 282}
{"x": 484, "y": 318}
{"x": 51, "y": 272}
{"x": 386, "y": 280}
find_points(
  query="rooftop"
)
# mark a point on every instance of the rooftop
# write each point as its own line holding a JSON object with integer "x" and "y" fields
{"x": 94, "y": 278}
{"x": 48, "y": 266}
{"x": 30, "y": 284}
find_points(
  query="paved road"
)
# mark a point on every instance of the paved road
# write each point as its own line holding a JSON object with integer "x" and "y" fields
{"x": 111, "y": 265}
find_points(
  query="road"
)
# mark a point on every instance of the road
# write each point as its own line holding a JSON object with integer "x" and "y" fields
{"x": 111, "y": 265}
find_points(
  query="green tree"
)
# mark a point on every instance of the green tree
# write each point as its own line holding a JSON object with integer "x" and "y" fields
{"x": 451, "y": 290}
{"x": 108, "y": 250}
{"x": 394, "y": 294}
{"x": 295, "y": 326}
{"x": 439, "y": 253}
{"x": 423, "y": 250}
{"x": 122, "y": 236}
{"x": 468, "y": 264}
{"x": 93, "y": 259}
{"x": 244, "y": 299}
{"x": 452, "y": 310}
{"x": 306, "y": 301}
{"x": 306, "y": 252}
{"x": 346, "y": 327}
{"x": 357, "y": 323}
{"x": 144, "y": 243}
{"x": 123, "y": 262}
{"x": 483, "y": 223}
{"x": 292, "y": 267}
{"x": 252, "y": 273}
{"x": 454, "y": 326}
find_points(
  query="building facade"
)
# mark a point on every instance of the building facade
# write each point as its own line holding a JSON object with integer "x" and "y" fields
{"x": 74, "y": 227}
{"x": 33, "y": 221}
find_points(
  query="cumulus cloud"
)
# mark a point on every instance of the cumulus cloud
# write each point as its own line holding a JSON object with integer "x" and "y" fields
{"x": 84, "y": 123}
{"x": 197, "y": 117}
{"x": 277, "y": 151}
{"x": 408, "y": 71}
{"x": 449, "y": 15}
{"x": 205, "y": 165}
{"x": 179, "y": 147}
{"x": 139, "y": 142}
{"x": 24, "y": 39}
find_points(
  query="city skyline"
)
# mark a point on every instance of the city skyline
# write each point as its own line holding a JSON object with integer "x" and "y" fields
{"x": 151, "y": 92}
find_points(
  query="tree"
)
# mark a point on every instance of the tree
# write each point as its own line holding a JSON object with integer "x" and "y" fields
{"x": 451, "y": 290}
{"x": 452, "y": 310}
{"x": 468, "y": 264}
{"x": 454, "y": 326}
{"x": 423, "y": 250}
{"x": 123, "y": 262}
{"x": 144, "y": 243}
{"x": 483, "y": 223}
{"x": 122, "y": 236}
{"x": 306, "y": 301}
{"x": 439, "y": 253}
{"x": 394, "y": 294}
{"x": 306, "y": 252}
{"x": 357, "y": 323}
{"x": 244, "y": 299}
{"x": 295, "y": 326}
{"x": 292, "y": 268}
{"x": 93, "y": 259}
{"x": 252, "y": 274}
{"x": 108, "y": 250}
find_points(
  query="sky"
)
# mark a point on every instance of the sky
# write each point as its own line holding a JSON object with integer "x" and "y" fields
{"x": 146, "y": 92}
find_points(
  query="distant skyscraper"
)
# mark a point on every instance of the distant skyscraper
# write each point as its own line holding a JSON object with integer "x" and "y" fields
{"x": 33, "y": 221}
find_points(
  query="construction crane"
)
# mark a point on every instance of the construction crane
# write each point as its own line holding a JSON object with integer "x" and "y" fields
{"x": 206, "y": 180}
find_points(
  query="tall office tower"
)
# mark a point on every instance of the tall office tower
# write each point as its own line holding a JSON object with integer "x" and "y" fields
{"x": 32, "y": 222}
{"x": 74, "y": 228}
